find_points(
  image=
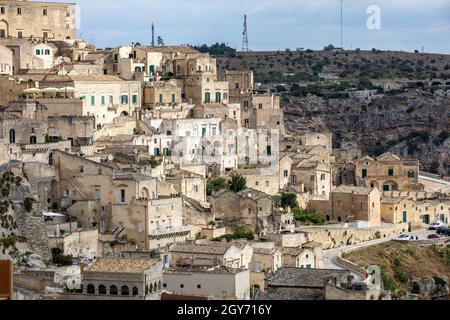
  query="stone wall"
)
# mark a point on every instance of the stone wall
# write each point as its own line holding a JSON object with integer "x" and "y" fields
{"x": 338, "y": 235}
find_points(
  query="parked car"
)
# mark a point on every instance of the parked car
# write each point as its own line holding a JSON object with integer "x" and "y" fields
{"x": 433, "y": 236}
{"x": 447, "y": 232}
{"x": 441, "y": 230}
{"x": 404, "y": 237}
{"x": 436, "y": 225}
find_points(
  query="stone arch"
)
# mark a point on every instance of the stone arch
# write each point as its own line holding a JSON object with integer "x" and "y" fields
{"x": 155, "y": 286}
{"x": 91, "y": 289}
{"x": 101, "y": 289}
{"x": 144, "y": 194}
{"x": 159, "y": 285}
{"x": 113, "y": 290}
{"x": 124, "y": 291}
{"x": 124, "y": 114}
{"x": 374, "y": 184}
{"x": 151, "y": 288}
{"x": 4, "y": 25}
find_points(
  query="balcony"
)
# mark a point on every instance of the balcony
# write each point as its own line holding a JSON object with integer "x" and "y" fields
{"x": 169, "y": 232}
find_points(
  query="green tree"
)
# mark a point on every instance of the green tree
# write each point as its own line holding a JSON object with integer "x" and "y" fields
{"x": 214, "y": 185}
{"x": 237, "y": 183}
{"x": 286, "y": 199}
{"x": 160, "y": 41}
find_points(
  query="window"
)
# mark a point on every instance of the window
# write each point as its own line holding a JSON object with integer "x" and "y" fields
{"x": 225, "y": 96}
{"x": 124, "y": 291}
{"x": 103, "y": 100}
{"x": 173, "y": 97}
{"x": 207, "y": 97}
{"x": 2, "y": 10}
{"x": 122, "y": 196}
{"x": 101, "y": 289}
{"x": 199, "y": 286}
{"x": 364, "y": 173}
{"x": 66, "y": 192}
{"x": 267, "y": 183}
{"x": 124, "y": 99}
{"x": 135, "y": 99}
{"x": 286, "y": 173}
{"x": 111, "y": 99}
{"x": 12, "y": 136}
{"x": 98, "y": 194}
{"x": 19, "y": 11}
{"x": 322, "y": 177}
{"x": 81, "y": 169}
{"x": 411, "y": 174}
{"x": 67, "y": 25}
{"x": 44, "y": 12}
{"x": 218, "y": 97}
{"x": 33, "y": 140}
{"x": 161, "y": 98}
{"x": 181, "y": 285}
{"x": 20, "y": 34}
{"x": 92, "y": 100}
{"x": 245, "y": 104}
{"x": 45, "y": 36}
{"x": 390, "y": 172}
{"x": 2, "y": 33}
{"x": 38, "y": 52}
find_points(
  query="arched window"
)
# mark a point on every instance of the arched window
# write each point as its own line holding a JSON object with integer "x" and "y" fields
{"x": 218, "y": 97}
{"x": 91, "y": 289}
{"x": 101, "y": 289}
{"x": 124, "y": 291}
{"x": 113, "y": 290}
{"x": 155, "y": 286}
{"x": 159, "y": 285}
{"x": 33, "y": 140}
{"x": 50, "y": 159}
{"x": 12, "y": 136}
{"x": 151, "y": 287}
{"x": 135, "y": 291}
{"x": 339, "y": 219}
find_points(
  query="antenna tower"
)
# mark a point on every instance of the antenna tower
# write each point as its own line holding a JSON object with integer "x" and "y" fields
{"x": 153, "y": 35}
{"x": 245, "y": 35}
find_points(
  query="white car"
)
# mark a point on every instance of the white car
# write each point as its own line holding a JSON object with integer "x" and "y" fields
{"x": 436, "y": 225}
{"x": 404, "y": 237}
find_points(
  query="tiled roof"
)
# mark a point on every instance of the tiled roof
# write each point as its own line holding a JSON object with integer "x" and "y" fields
{"x": 353, "y": 189}
{"x": 190, "y": 270}
{"x": 122, "y": 265}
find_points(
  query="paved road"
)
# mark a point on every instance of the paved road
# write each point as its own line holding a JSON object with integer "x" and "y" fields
{"x": 329, "y": 256}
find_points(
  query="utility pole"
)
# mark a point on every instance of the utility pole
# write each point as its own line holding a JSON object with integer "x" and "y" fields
{"x": 245, "y": 35}
{"x": 153, "y": 34}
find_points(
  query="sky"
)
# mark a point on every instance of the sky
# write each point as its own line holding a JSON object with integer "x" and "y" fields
{"x": 405, "y": 25}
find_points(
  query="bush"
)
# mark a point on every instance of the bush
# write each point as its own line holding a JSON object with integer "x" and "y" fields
{"x": 307, "y": 217}
{"x": 286, "y": 200}
{"x": 240, "y": 232}
{"x": 237, "y": 183}
{"x": 59, "y": 258}
{"x": 215, "y": 185}
{"x": 401, "y": 276}
{"x": 377, "y": 235}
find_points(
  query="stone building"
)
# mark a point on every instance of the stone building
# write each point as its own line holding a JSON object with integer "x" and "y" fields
{"x": 204, "y": 253}
{"x": 48, "y": 20}
{"x": 80, "y": 243}
{"x": 301, "y": 284}
{"x": 240, "y": 85}
{"x": 218, "y": 283}
{"x": 266, "y": 260}
{"x": 350, "y": 203}
{"x": 250, "y": 208}
{"x": 298, "y": 257}
{"x": 6, "y": 61}
{"x": 388, "y": 173}
{"x": 104, "y": 97}
{"x": 123, "y": 278}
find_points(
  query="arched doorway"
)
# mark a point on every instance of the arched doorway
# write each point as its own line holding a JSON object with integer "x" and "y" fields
{"x": 144, "y": 194}
{"x": 113, "y": 290}
{"x": 33, "y": 140}
{"x": 135, "y": 291}
{"x": 91, "y": 289}
{"x": 101, "y": 289}
{"x": 124, "y": 291}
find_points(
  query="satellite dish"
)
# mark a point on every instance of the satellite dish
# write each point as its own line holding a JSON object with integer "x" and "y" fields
{"x": 110, "y": 157}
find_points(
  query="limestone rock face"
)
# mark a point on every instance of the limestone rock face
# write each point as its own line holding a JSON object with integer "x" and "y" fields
{"x": 23, "y": 236}
{"x": 433, "y": 287}
{"x": 410, "y": 125}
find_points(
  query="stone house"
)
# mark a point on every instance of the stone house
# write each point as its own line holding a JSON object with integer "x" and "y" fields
{"x": 240, "y": 85}
{"x": 218, "y": 283}
{"x": 250, "y": 208}
{"x": 123, "y": 278}
{"x": 399, "y": 210}
{"x": 388, "y": 173}
{"x": 266, "y": 259}
{"x": 204, "y": 253}
{"x": 25, "y": 19}
{"x": 301, "y": 284}
{"x": 350, "y": 203}
{"x": 298, "y": 257}
{"x": 311, "y": 177}
{"x": 104, "y": 97}
{"x": 80, "y": 243}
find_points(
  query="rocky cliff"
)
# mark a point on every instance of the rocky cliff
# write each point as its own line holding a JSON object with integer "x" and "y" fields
{"x": 23, "y": 236}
